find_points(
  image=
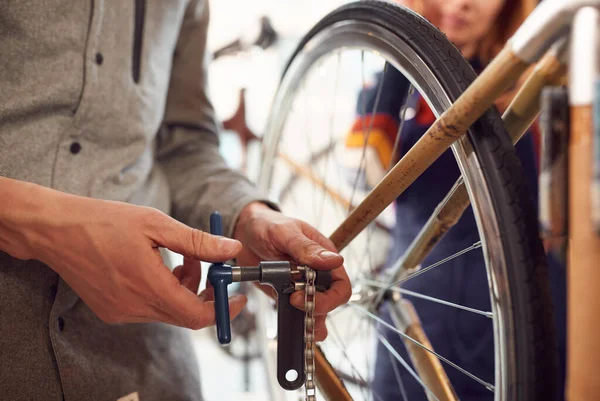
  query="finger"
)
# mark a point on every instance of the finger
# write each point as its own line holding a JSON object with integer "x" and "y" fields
{"x": 207, "y": 294}
{"x": 193, "y": 243}
{"x": 190, "y": 274}
{"x": 328, "y": 258}
{"x": 235, "y": 307}
{"x": 297, "y": 299}
{"x": 338, "y": 294}
{"x": 188, "y": 309}
{"x": 147, "y": 313}
{"x": 177, "y": 272}
{"x": 320, "y": 328}
{"x": 302, "y": 248}
{"x": 236, "y": 304}
{"x": 160, "y": 316}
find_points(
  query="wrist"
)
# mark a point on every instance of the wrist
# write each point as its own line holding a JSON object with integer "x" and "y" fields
{"x": 25, "y": 214}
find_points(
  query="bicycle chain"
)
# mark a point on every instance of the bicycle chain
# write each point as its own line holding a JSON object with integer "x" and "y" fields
{"x": 309, "y": 333}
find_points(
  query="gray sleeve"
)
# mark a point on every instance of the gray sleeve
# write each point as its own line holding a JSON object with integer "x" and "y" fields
{"x": 188, "y": 143}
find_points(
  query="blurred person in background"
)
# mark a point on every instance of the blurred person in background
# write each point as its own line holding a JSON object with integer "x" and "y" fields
{"x": 479, "y": 28}
{"x": 108, "y": 151}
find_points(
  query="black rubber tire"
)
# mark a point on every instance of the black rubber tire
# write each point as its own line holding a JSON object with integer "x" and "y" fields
{"x": 534, "y": 336}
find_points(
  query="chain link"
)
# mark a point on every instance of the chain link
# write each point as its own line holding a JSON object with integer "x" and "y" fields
{"x": 309, "y": 334}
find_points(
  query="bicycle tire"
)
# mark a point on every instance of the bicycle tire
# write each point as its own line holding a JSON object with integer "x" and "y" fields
{"x": 530, "y": 333}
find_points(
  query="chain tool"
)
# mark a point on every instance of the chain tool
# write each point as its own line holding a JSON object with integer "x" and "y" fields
{"x": 295, "y": 329}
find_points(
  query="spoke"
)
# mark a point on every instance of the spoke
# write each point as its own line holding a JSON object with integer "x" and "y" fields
{"x": 363, "y": 110}
{"x": 355, "y": 373}
{"x": 308, "y": 132}
{"x": 444, "y": 217}
{"x": 312, "y": 161}
{"x": 404, "y": 363}
{"x": 411, "y": 89}
{"x": 428, "y": 298}
{"x": 364, "y": 116}
{"x": 331, "y": 139}
{"x": 369, "y": 233}
{"x": 283, "y": 194}
{"x": 398, "y": 378}
{"x": 362, "y": 322}
{"x": 291, "y": 195}
{"x": 304, "y": 171}
{"x": 432, "y": 266}
{"x": 365, "y": 340}
{"x": 418, "y": 344}
{"x": 343, "y": 347}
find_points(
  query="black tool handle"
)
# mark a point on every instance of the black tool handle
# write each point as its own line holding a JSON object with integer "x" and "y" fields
{"x": 290, "y": 321}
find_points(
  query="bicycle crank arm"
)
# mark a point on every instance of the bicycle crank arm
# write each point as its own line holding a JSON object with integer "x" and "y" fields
{"x": 290, "y": 320}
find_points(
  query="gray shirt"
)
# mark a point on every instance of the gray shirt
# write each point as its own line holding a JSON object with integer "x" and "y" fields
{"x": 104, "y": 98}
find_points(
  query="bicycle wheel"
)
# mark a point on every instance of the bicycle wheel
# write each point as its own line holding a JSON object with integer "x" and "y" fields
{"x": 304, "y": 167}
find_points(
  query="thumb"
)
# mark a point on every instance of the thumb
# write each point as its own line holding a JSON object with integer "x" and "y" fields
{"x": 310, "y": 253}
{"x": 195, "y": 244}
{"x": 308, "y": 247}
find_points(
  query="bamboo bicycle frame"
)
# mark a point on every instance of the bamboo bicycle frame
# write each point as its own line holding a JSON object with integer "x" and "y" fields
{"x": 527, "y": 45}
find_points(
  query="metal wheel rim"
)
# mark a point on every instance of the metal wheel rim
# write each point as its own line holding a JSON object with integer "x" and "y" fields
{"x": 353, "y": 34}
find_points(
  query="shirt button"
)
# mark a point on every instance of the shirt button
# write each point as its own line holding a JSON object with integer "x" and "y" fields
{"x": 75, "y": 148}
{"x": 61, "y": 324}
{"x": 99, "y": 58}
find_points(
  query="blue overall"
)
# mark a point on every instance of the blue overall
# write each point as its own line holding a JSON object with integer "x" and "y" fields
{"x": 463, "y": 337}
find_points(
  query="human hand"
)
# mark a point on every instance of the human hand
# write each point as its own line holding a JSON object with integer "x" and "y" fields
{"x": 269, "y": 235}
{"x": 108, "y": 253}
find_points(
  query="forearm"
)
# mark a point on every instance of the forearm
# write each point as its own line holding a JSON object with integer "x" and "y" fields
{"x": 107, "y": 253}
{"x": 26, "y": 210}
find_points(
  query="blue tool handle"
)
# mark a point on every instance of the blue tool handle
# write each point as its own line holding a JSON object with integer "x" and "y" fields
{"x": 216, "y": 223}
{"x": 220, "y": 276}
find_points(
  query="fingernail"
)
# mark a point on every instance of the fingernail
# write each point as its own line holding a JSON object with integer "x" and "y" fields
{"x": 228, "y": 244}
{"x": 328, "y": 255}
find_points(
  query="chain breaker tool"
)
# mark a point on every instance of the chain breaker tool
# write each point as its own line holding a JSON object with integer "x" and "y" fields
{"x": 295, "y": 329}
